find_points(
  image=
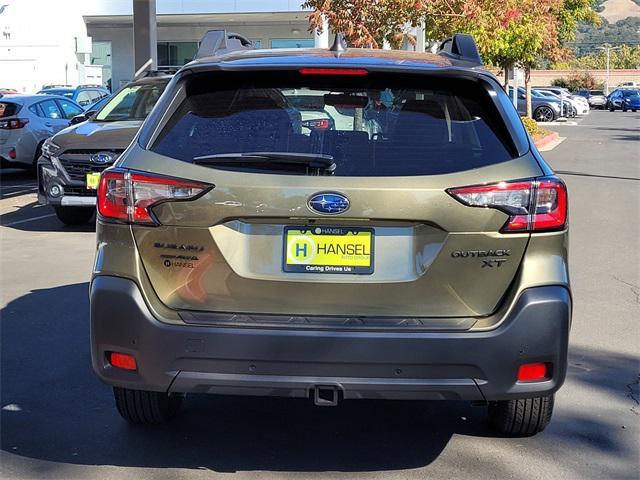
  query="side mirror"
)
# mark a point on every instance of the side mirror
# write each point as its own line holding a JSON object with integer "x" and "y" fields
{"x": 78, "y": 119}
{"x": 522, "y": 96}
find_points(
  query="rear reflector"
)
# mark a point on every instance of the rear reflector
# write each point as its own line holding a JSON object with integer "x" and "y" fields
{"x": 12, "y": 154}
{"x": 123, "y": 361}
{"x": 129, "y": 197}
{"x": 533, "y": 371}
{"x": 333, "y": 71}
{"x": 537, "y": 205}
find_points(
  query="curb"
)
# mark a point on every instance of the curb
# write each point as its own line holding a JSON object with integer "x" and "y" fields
{"x": 546, "y": 140}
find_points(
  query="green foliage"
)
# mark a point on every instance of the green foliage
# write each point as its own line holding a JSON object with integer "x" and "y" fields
{"x": 626, "y": 57}
{"x": 589, "y": 37}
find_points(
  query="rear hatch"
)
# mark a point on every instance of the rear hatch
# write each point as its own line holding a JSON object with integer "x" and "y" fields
{"x": 354, "y": 220}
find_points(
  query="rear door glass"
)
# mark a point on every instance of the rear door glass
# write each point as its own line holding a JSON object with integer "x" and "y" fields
{"x": 49, "y": 109}
{"x": 373, "y": 125}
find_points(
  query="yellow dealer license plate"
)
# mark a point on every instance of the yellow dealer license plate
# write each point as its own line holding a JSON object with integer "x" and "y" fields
{"x": 93, "y": 179}
{"x": 328, "y": 250}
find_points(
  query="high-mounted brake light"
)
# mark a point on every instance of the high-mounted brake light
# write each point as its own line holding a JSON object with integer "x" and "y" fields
{"x": 333, "y": 71}
{"x": 129, "y": 197}
{"x": 533, "y": 205}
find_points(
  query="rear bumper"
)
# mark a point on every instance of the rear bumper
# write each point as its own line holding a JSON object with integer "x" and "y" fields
{"x": 364, "y": 364}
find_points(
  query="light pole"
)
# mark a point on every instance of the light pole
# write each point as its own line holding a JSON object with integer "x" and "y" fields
{"x": 608, "y": 49}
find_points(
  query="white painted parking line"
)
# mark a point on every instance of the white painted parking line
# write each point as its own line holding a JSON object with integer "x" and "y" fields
{"x": 559, "y": 124}
{"x": 18, "y": 191}
{"x": 18, "y": 222}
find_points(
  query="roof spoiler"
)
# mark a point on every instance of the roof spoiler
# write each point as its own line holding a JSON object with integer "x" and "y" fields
{"x": 218, "y": 42}
{"x": 460, "y": 47}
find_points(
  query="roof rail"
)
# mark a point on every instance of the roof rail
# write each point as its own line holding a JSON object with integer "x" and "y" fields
{"x": 218, "y": 42}
{"x": 460, "y": 47}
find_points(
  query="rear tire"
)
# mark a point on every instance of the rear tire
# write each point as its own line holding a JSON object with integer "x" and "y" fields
{"x": 74, "y": 215}
{"x": 146, "y": 408}
{"x": 522, "y": 417}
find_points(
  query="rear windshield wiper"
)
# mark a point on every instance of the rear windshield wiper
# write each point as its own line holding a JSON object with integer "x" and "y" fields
{"x": 308, "y": 160}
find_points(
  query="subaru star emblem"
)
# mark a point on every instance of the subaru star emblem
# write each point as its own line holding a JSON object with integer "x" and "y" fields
{"x": 328, "y": 203}
{"x": 102, "y": 157}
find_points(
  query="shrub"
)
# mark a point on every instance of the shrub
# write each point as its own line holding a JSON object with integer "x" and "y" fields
{"x": 531, "y": 125}
{"x": 578, "y": 81}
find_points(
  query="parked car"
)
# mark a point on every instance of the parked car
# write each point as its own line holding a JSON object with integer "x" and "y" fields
{"x": 577, "y": 105}
{"x": 545, "y": 108}
{"x": 624, "y": 99}
{"x": 237, "y": 254}
{"x": 26, "y": 121}
{"x": 72, "y": 160}
{"x": 7, "y": 91}
{"x": 83, "y": 95}
{"x": 595, "y": 98}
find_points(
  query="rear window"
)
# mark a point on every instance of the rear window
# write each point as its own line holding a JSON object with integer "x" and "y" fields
{"x": 373, "y": 125}
{"x": 8, "y": 109}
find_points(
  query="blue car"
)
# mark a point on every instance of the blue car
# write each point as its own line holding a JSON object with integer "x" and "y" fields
{"x": 83, "y": 95}
{"x": 624, "y": 100}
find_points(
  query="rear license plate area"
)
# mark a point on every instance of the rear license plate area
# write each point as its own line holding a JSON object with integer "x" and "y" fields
{"x": 331, "y": 250}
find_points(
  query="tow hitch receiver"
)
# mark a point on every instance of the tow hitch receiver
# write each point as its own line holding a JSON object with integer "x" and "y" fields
{"x": 325, "y": 396}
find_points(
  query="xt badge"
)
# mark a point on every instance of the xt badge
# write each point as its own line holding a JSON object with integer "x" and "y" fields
{"x": 494, "y": 262}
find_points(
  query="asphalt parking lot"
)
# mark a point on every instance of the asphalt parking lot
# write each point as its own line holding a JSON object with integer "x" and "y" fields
{"x": 59, "y": 421}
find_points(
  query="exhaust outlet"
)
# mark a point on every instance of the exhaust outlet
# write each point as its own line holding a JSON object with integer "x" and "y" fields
{"x": 325, "y": 396}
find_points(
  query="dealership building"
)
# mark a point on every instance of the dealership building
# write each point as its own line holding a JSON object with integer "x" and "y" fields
{"x": 92, "y": 41}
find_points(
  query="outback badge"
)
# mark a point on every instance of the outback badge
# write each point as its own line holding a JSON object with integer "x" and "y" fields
{"x": 328, "y": 203}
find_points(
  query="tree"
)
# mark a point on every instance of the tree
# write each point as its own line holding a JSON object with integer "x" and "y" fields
{"x": 508, "y": 32}
{"x": 371, "y": 22}
{"x": 626, "y": 57}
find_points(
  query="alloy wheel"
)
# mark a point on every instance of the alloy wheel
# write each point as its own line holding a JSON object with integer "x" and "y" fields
{"x": 544, "y": 114}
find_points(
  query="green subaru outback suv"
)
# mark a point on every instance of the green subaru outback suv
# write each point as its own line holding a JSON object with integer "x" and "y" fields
{"x": 407, "y": 242}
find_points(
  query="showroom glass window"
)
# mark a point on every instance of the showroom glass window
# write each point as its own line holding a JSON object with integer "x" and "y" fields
{"x": 292, "y": 43}
{"x": 176, "y": 54}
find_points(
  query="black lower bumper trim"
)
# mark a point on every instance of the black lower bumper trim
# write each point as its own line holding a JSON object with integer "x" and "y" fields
{"x": 479, "y": 365}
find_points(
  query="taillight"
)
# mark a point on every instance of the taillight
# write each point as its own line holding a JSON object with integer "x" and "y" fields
{"x": 129, "y": 197}
{"x": 532, "y": 205}
{"x": 13, "y": 123}
{"x": 317, "y": 124}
